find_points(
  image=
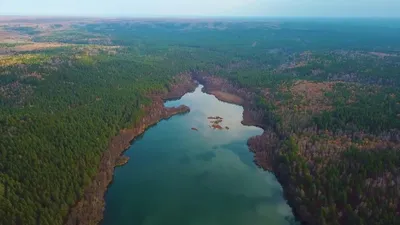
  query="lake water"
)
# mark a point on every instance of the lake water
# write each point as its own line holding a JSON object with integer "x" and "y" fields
{"x": 178, "y": 176}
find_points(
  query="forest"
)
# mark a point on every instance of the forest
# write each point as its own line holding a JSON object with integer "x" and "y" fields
{"x": 330, "y": 88}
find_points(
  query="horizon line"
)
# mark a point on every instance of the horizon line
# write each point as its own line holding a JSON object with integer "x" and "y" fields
{"x": 32, "y": 16}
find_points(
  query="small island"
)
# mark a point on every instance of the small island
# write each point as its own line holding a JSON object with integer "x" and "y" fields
{"x": 216, "y": 126}
{"x": 215, "y": 122}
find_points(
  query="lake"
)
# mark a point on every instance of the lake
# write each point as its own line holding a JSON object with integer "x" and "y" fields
{"x": 180, "y": 176}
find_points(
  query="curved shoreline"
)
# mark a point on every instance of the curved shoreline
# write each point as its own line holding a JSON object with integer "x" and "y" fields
{"x": 89, "y": 209}
{"x": 264, "y": 146}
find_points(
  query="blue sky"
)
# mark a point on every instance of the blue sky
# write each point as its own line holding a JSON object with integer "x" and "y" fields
{"x": 184, "y": 8}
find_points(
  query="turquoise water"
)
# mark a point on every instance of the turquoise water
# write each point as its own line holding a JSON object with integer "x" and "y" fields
{"x": 178, "y": 176}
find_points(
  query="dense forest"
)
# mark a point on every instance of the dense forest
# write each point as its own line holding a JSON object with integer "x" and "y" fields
{"x": 330, "y": 89}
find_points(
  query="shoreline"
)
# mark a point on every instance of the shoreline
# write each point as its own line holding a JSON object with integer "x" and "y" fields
{"x": 89, "y": 210}
{"x": 263, "y": 146}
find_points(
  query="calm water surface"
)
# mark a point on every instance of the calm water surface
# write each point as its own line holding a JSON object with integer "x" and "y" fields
{"x": 177, "y": 176}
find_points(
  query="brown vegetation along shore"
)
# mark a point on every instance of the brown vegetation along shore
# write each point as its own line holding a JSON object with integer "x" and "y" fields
{"x": 227, "y": 97}
{"x": 287, "y": 152}
{"x": 181, "y": 84}
{"x": 242, "y": 96}
{"x": 122, "y": 160}
{"x": 89, "y": 210}
{"x": 264, "y": 146}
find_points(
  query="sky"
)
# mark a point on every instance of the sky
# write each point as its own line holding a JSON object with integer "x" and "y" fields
{"x": 202, "y": 8}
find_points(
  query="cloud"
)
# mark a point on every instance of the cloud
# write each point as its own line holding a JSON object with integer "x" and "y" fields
{"x": 323, "y": 8}
{"x": 122, "y": 7}
{"x": 195, "y": 8}
{"x": 202, "y": 7}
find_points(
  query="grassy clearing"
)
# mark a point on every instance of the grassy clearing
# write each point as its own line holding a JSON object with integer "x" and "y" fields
{"x": 22, "y": 59}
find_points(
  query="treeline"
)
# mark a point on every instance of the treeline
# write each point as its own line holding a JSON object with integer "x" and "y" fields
{"x": 52, "y": 140}
{"x": 57, "y": 115}
{"x": 359, "y": 187}
{"x": 356, "y": 108}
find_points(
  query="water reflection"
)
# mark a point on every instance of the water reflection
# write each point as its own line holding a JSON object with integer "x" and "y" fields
{"x": 180, "y": 176}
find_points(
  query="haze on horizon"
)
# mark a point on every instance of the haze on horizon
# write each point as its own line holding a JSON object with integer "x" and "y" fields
{"x": 202, "y": 8}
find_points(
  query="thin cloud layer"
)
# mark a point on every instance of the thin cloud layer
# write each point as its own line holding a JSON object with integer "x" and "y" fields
{"x": 136, "y": 8}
